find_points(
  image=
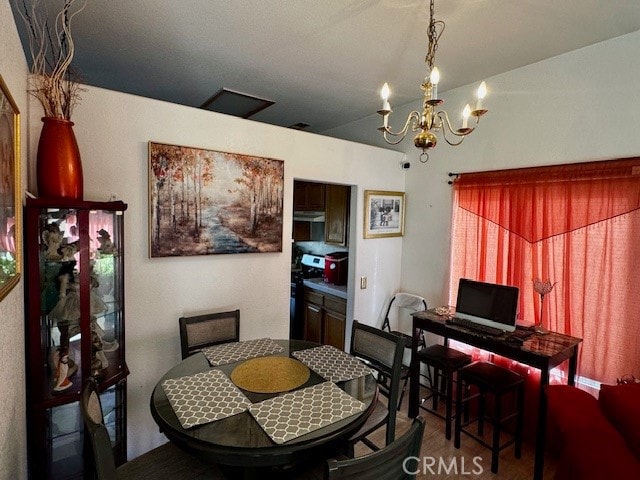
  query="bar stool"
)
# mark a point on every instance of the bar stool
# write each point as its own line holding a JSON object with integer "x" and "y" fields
{"x": 445, "y": 362}
{"x": 498, "y": 381}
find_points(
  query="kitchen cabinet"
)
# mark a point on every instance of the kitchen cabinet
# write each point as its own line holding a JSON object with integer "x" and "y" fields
{"x": 336, "y": 227}
{"x": 74, "y": 297}
{"x": 308, "y": 196}
{"x": 324, "y": 318}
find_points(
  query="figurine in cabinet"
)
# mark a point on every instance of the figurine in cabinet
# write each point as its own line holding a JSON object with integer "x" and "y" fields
{"x": 52, "y": 238}
{"x": 61, "y": 378}
{"x": 106, "y": 245}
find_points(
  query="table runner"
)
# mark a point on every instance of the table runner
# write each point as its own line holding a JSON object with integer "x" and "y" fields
{"x": 294, "y": 414}
{"x": 233, "y": 352}
{"x": 204, "y": 397}
{"x": 332, "y": 364}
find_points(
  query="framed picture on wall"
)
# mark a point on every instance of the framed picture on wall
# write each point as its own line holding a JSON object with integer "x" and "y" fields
{"x": 383, "y": 214}
{"x": 204, "y": 202}
{"x": 10, "y": 192}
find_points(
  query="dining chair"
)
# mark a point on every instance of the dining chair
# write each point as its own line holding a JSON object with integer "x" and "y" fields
{"x": 412, "y": 303}
{"x": 382, "y": 351}
{"x": 208, "y": 329}
{"x": 388, "y": 463}
{"x": 165, "y": 461}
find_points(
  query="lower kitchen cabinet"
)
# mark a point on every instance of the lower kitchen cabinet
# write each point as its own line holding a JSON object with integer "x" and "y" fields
{"x": 324, "y": 318}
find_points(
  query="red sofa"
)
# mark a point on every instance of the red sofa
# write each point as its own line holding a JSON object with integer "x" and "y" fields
{"x": 595, "y": 438}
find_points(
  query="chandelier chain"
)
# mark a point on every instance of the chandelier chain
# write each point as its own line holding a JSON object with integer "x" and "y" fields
{"x": 436, "y": 27}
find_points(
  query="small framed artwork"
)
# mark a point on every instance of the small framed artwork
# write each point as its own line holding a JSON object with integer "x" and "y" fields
{"x": 383, "y": 214}
{"x": 10, "y": 192}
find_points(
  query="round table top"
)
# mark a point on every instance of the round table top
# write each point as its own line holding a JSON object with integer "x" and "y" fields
{"x": 239, "y": 440}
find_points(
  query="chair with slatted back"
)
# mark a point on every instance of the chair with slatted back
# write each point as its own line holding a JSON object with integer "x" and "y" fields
{"x": 208, "y": 329}
{"x": 165, "y": 461}
{"x": 411, "y": 303}
{"x": 388, "y": 463}
{"x": 382, "y": 351}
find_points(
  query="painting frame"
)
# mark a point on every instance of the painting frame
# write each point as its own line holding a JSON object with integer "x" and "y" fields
{"x": 384, "y": 213}
{"x": 10, "y": 193}
{"x": 210, "y": 202}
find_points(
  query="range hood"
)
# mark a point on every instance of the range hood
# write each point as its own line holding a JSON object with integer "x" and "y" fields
{"x": 314, "y": 217}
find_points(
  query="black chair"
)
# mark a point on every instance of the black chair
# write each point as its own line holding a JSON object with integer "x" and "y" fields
{"x": 385, "y": 464}
{"x": 208, "y": 329}
{"x": 166, "y": 461}
{"x": 488, "y": 378}
{"x": 442, "y": 364}
{"x": 413, "y": 303}
{"x": 382, "y": 351}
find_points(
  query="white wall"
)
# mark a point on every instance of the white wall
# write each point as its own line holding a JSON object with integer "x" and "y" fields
{"x": 580, "y": 106}
{"x": 13, "y": 70}
{"x": 113, "y": 130}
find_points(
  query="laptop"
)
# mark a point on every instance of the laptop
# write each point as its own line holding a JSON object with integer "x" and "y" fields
{"x": 480, "y": 305}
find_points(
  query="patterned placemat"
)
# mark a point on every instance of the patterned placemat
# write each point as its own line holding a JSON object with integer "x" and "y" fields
{"x": 204, "y": 397}
{"x": 332, "y": 364}
{"x": 293, "y": 414}
{"x": 233, "y": 352}
{"x": 270, "y": 374}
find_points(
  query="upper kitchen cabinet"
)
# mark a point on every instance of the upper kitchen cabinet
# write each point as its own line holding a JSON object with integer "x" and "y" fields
{"x": 308, "y": 196}
{"x": 336, "y": 229}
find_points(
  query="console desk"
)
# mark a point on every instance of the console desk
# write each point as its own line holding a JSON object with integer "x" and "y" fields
{"x": 543, "y": 352}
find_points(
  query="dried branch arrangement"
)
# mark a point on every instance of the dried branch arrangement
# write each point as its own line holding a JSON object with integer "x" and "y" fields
{"x": 53, "y": 82}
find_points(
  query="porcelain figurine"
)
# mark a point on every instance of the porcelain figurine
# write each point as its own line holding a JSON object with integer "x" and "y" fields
{"x": 52, "y": 238}
{"x": 61, "y": 379}
{"x": 106, "y": 245}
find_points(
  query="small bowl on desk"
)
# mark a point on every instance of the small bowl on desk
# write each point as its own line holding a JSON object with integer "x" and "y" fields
{"x": 444, "y": 311}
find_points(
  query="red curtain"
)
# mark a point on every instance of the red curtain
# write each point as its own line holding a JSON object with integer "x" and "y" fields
{"x": 577, "y": 225}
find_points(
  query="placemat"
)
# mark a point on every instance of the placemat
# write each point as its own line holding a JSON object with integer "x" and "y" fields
{"x": 293, "y": 414}
{"x": 233, "y": 352}
{"x": 270, "y": 374}
{"x": 332, "y": 364}
{"x": 204, "y": 397}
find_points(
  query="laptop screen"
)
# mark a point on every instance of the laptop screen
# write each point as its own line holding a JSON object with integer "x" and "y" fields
{"x": 488, "y": 304}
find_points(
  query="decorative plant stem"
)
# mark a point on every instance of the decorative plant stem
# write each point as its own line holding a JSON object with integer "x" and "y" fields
{"x": 52, "y": 49}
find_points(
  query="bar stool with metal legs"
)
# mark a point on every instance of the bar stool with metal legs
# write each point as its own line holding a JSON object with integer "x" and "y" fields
{"x": 497, "y": 381}
{"x": 445, "y": 362}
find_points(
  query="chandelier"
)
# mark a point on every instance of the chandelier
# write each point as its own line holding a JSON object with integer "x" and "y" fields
{"x": 431, "y": 120}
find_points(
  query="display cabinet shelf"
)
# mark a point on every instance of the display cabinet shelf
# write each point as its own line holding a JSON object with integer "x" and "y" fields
{"x": 75, "y": 328}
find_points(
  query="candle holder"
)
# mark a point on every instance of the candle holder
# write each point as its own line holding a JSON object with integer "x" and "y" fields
{"x": 543, "y": 289}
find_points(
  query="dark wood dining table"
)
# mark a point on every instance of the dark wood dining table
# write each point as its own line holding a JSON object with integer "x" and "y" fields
{"x": 239, "y": 441}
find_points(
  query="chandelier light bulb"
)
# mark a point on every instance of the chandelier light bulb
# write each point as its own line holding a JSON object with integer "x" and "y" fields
{"x": 434, "y": 78}
{"x": 465, "y": 115}
{"x": 482, "y": 92}
{"x": 384, "y": 93}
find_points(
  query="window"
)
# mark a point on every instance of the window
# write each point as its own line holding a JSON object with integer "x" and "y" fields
{"x": 577, "y": 225}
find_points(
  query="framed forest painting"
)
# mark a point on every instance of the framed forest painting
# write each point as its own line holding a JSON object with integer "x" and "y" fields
{"x": 204, "y": 202}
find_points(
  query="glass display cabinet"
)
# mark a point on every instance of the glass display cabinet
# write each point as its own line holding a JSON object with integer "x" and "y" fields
{"x": 74, "y": 296}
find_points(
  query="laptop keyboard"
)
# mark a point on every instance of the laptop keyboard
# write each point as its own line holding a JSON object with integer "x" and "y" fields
{"x": 484, "y": 329}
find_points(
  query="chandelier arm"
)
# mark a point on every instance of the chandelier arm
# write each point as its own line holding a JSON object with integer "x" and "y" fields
{"x": 414, "y": 117}
{"x": 446, "y": 126}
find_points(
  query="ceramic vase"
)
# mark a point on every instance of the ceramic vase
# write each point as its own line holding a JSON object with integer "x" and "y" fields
{"x": 58, "y": 168}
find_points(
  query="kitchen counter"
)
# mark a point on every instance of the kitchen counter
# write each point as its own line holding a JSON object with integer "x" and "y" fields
{"x": 320, "y": 285}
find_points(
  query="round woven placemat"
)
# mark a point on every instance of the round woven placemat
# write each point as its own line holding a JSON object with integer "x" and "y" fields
{"x": 270, "y": 374}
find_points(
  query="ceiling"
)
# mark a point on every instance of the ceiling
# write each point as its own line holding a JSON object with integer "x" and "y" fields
{"x": 323, "y": 61}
